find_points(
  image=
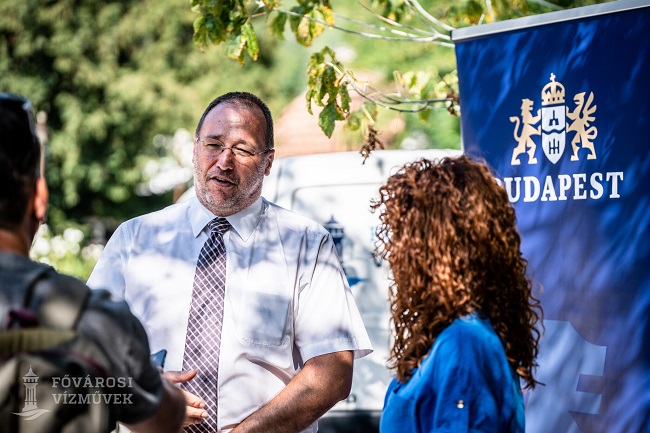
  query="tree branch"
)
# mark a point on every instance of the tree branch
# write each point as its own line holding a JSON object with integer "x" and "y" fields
{"x": 388, "y": 101}
{"x": 433, "y": 38}
{"x": 394, "y": 23}
{"x": 418, "y": 7}
{"x": 384, "y": 29}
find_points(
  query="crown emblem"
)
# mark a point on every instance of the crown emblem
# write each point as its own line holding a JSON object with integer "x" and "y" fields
{"x": 553, "y": 122}
{"x": 553, "y": 92}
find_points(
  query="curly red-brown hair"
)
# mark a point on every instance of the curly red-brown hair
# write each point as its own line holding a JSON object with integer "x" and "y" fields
{"x": 448, "y": 232}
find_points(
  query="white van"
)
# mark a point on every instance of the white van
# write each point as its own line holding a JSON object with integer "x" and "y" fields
{"x": 335, "y": 190}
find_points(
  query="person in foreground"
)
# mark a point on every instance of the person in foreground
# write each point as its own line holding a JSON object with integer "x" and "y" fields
{"x": 156, "y": 405}
{"x": 463, "y": 313}
{"x": 247, "y": 296}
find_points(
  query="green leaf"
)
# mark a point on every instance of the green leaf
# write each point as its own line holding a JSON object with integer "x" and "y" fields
{"x": 200, "y": 32}
{"x": 315, "y": 67}
{"x": 271, "y": 4}
{"x": 308, "y": 96}
{"x": 423, "y": 115}
{"x": 328, "y": 51}
{"x": 317, "y": 87}
{"x": 327, "y": 14}
{"x": 276, "y": 26}
{"x": 215, "y": 30}
{"x": 302, "y": 27}
{"x": 315, "y": 28}
{"x": 315, "y": 60}
{"x": 326, "y": 90}
{"x": 303, "y": 32}
{"x": 339, "y": 113}
{"x": 252, "y": 46}
{"x": 237, "y": 17}
{"x": 327, "y": 118}
{"x": 345, "y": 99}
{"x": 235, "y": 47}
{"x": 195, "y": 5}
{"x": 294, "y": 20}
{"x": 371, "y": 108}
{"x": 354, "y": 121}
{"x": 392, "y": 9}
{"x": 330, "y": 85}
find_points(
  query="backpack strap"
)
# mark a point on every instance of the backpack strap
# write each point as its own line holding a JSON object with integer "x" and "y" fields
{"x": 32, "y": 340}
{"x": 49, "y": 315}
{"x": 57, "y": 302}
{"x": 23, "y": 317}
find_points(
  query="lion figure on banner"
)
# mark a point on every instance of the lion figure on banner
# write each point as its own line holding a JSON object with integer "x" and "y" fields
{"x": 526, "y": 129}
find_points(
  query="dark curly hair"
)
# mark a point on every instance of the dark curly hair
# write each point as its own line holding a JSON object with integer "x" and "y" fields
{"x": 448, "y": 232}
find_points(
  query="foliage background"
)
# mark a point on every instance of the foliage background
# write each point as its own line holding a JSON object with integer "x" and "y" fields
{"x": 120, "y": 81}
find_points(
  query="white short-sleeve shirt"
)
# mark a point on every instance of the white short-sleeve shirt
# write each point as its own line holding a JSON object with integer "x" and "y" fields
{"x": 287, "y": 298}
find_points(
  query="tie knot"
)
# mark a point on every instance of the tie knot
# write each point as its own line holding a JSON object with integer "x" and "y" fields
{"x": 219, "y": 225}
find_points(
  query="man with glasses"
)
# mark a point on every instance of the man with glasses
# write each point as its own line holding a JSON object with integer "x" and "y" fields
{"x": 27, "y": 287}
{"x": 246, "y": 295}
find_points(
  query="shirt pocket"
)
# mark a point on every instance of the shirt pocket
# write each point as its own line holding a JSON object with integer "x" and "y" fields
{"x": 398, "y": 414}
{"x": 263, "y": 319}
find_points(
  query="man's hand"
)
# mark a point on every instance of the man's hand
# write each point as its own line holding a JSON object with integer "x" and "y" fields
{"x": 169, "y": 416}
{"x": 195, "y": 411}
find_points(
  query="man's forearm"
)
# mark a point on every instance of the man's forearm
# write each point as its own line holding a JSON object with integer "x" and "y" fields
{"x": 323, "y": 381}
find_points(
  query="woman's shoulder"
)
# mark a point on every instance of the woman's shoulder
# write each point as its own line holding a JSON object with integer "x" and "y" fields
{"x": 467, "y": 336}
{"x": 474, "y": 325}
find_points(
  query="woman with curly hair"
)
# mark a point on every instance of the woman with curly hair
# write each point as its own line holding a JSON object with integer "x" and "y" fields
{"x": 462, "y": 310}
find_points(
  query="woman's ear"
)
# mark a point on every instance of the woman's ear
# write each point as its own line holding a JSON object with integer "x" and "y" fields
{"x": 41, "y": 196}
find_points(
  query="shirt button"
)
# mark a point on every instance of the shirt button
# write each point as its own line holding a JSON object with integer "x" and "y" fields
{"x": 460, "y": 404}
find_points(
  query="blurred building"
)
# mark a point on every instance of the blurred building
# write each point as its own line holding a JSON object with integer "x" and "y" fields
{"x": 297, "y": 132}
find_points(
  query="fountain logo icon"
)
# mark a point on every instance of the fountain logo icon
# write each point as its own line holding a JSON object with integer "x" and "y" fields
{"x": 31, "y": 410}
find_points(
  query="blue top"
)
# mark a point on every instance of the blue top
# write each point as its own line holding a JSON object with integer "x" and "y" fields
{"x": 465, "y": 384}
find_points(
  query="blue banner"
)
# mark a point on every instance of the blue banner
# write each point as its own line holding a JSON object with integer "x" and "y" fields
{"x": 559, "y": 105}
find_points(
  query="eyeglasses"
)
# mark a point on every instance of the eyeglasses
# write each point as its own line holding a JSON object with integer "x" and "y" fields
{"x": 21, "y": 107}
{"x": 215, "y": 148}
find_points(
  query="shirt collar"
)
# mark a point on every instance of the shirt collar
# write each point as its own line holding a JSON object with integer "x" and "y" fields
{"x": 243, "y": 222}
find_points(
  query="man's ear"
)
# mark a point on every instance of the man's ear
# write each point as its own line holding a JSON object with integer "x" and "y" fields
{"x": 269, "y": 162}
{"x": 196, "y": 139}
{"x": 41, "y": 196}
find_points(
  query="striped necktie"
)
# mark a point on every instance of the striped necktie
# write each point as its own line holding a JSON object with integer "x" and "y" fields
{"x": 203, "y": 338}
